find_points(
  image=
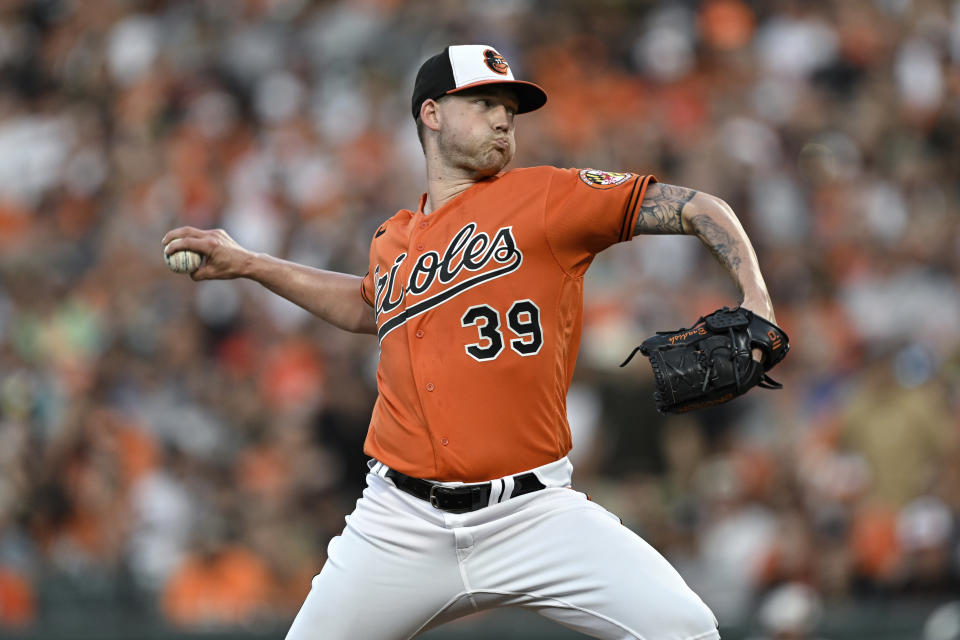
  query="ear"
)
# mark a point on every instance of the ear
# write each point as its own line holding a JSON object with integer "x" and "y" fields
{"x": 430, "y": 114}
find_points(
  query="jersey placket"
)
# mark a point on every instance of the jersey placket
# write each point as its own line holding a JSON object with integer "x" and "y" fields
{"x": 425, "y": 381}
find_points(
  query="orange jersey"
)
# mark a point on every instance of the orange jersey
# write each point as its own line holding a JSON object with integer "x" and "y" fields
{"x": 479, "y": 308}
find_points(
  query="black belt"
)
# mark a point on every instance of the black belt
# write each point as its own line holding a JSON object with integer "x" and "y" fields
{"x": 462, "y": 499}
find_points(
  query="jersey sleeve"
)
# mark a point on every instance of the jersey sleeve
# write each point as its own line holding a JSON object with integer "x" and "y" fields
{"x": 368, "y": 288}
{"x": 588, "y": 210}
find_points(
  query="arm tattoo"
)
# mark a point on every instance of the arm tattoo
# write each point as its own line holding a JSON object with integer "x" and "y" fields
{"x": 718, "y": 240}
{"x": 660, "y": 209}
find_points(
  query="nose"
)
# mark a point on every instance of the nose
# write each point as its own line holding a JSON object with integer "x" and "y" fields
{"x": 502, "y": 120}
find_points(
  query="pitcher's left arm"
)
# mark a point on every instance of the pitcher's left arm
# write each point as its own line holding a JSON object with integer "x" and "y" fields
{"x": 669, "y": 209}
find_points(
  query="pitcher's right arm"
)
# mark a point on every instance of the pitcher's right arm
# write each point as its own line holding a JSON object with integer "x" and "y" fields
{"x": 334, "y": 297}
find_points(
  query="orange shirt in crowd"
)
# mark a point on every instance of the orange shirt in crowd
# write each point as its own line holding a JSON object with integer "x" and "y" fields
{"x": 230, "y": 587}
{"x": 17, "y": 602}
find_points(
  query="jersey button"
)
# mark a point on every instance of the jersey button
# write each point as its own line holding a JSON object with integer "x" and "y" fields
{"x": 430, "y": 386}
{"x": 424, "y": 225}
{"x": 444, "y": 441}
{"x": 420, "y": 247}
{"x": 419, "y": 333}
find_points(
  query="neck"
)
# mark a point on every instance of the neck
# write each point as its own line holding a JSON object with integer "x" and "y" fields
{"x": 443, "y": 189}
{"x": 445, "y": 182}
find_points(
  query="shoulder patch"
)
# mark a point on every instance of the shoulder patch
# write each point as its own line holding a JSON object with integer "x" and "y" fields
{"x": 603, "y": 179}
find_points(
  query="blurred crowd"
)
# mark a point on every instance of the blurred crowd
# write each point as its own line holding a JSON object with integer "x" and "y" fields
{"x": 186, "y": 450}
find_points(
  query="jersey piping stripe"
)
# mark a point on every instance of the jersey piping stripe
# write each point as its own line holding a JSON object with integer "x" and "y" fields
{"x": 636, "y": 208}
{"x": 628, "y": 211}
{"x": 363, "y": 293}
{"x": 440, "y": 298}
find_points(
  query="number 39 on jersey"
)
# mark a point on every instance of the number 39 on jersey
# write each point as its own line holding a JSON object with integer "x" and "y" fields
{"x": 523, "y": 322}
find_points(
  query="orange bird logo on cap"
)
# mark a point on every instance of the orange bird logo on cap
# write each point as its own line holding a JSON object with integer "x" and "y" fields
{"x": 496, "y": 62}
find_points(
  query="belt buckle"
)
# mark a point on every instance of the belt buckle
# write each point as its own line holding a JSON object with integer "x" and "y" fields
{"x": 433, "y": 496}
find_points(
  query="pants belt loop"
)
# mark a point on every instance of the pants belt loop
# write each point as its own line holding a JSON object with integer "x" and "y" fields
{"x": 496, "y": 490}
{"x": 507, "y": 489}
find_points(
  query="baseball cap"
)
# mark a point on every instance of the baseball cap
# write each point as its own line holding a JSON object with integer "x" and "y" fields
{"x": 464, "y": 66}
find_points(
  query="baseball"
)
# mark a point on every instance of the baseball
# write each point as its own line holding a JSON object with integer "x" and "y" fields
{"x": 183, "y": 261}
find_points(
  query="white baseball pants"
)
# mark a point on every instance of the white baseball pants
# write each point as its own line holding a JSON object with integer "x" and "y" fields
{"x": 401, "y": 567}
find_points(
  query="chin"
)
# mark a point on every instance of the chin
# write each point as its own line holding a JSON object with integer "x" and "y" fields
{"x": 492, "y": 167}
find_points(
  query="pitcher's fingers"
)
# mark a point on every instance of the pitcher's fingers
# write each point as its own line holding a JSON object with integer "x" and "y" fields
{"x": 202, "y": 245}
{"x": 181, "y": 232}
{"x": 178, "y": 244}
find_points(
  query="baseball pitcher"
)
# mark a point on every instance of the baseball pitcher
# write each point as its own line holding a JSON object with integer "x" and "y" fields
{"x": 476, "y": 298}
